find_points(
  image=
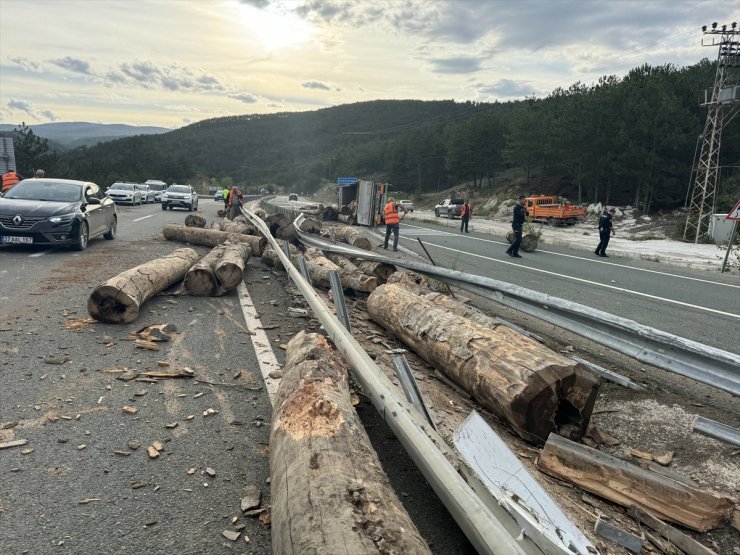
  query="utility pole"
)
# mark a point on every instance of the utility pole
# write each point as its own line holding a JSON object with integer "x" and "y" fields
{"x": 723, "y": 104}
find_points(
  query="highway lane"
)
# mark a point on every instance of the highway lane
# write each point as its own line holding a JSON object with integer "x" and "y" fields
{"x": 697, "y": 305}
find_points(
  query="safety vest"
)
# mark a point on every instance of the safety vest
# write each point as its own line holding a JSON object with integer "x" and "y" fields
{"x": 465, "y": 211}
{"x": 9, "y": 179}
{"x": 231, "y": 197}
{"x": 391, "y": 214}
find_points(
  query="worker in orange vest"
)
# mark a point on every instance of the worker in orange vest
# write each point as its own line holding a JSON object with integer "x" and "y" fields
{"x": 391, "y": 222}
{"x": 235, "y": 203}
{"x": 9, "y": 180}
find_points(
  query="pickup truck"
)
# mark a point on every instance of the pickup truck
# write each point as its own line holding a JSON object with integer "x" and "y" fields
{"x": 552, "y": 211}
{"x": 450, "y": 207}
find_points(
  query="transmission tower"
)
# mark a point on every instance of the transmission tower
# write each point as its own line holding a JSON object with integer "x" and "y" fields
{"x": 722, "y": 104}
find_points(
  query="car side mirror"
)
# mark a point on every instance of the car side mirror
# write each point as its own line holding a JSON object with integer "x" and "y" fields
{"x": 93, "y": 200}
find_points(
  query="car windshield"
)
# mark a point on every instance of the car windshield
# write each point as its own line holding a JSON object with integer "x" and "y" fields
{"x": 178, "y": 189}
{"x": 124, "y": 186}
{"x": 38, "y": 189}
{"x": 155, "y": 187}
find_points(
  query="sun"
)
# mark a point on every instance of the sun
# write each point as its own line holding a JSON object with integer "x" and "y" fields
{"x": 274, "y": 27}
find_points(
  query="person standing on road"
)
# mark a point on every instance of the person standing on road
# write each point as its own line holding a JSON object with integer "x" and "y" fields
{"x": 10, "y": 179}
{"x": 606, "y": 229}
{"x": 234, "y": 203}
{"x": 225, "y": 195}
{"x": 517, "y": 225}
{"x": 391, "y": 222}
{"x": 465, "y": 215}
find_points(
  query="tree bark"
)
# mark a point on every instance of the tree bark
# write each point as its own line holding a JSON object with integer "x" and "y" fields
{"x": 629, "y": 485}
{"x": 351, "y": 236}
{"x": 237, "y": 226}
{"x": 329, "y": 491}
{"x": 118, "y": 300}
{"x": 533, "y": 388}
{"x": 218, "y": 271}
{"x": 310, "y": 225}
{"x": 349, "y": 279}
{"x": 194, "y": 220}
{"x": 346, "y": 219}
{"x": 379, "y": 270}
{"x": 212, "y": 237}
{"x": 230, "y": 268}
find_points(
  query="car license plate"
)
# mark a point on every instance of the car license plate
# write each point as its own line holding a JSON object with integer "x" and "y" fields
{"x": 14, "y": 239}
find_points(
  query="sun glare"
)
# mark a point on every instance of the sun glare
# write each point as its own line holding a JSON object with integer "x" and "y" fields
{"x": 274, "y": 28}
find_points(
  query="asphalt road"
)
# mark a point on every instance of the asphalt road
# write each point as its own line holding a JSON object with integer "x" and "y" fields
{"x": 694, "y": 304}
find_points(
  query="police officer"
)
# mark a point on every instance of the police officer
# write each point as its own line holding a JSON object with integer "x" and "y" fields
{"x": 517, "y": 224}
{"x": 606, "y": 229}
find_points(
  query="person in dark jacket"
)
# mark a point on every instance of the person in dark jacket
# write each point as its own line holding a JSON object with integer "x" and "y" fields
{"x": 606, "y": 230}
{"x": 467, "y": 211}
{"x": 517, "y": 225}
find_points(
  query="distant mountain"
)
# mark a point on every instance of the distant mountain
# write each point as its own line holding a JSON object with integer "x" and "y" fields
{"x": 74, "y": 134}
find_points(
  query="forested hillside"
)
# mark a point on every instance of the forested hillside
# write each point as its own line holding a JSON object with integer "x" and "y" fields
{"x": 621, "y": 140}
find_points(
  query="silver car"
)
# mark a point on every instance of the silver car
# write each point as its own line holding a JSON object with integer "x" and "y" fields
{"x": 147, "y": 195}
{"x": 127, "y": 193}
{"x": 407, "y": 204}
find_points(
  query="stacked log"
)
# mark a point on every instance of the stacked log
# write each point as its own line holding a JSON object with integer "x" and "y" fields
{"x": 119, "y": 300}
{"x": 329, "y": 492}
{"x": 533, "y": 388}
{"x": 194, "y": 220}
{"x": 351, "y": 236}
{"x": 379, "y": 270}
{"x": 236, "y": 226}
{"x": 219, "y": 271}
{"x": 277, "y": 221}
{"x": 271, "y": 258}
{"x": 330, "y": 213}
{"x": 212, "y": 237}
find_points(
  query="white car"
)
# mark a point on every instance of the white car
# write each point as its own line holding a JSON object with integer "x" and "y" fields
{"x": 407, "y": 204}
{"x": 183, "y": 196}
{"x": 128, "y": 193}
{"x": 147, "y": 194}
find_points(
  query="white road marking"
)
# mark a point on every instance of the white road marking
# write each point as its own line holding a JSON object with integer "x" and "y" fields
{"x": 265, "y": 355}
{"x": 595, "y": 261}
{"x": 596, "y": 283}
{"x": 42, "y": 253}
{"x": 142, "y": 218}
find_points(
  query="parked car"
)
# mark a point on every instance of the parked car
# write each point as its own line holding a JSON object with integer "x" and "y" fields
{"x": 56, "y": 212}
{"x": 219, "y": 196}
{"x": 407, "y": 204}
{"x": 158, "y": 187}
{"x": 292, "y": 196}
{"x": 128, "y": 193}
{"x": 183, "y": 196}
{"x": 449, "y": 207}
{"x": 147, "y": 194}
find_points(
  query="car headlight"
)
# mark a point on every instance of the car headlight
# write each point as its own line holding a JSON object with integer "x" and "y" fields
{"x": 62, "y": 218}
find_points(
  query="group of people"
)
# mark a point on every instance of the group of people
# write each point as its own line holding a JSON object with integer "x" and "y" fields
{"x": 232, "y": 202}
{"x": 12, "y": 177}
{"x": 392, "y": 221}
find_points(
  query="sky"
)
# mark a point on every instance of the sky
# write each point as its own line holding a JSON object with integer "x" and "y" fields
{"x": 173, "y": 62}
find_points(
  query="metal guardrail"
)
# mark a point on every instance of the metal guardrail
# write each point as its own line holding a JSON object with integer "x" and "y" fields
{"x": 489, "y": 529}
{"x": 705, "y": 364}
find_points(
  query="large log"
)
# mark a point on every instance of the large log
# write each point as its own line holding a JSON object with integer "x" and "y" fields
{"x": 310, "y": 225}
{"x": 379, "y": 270}
{"x": 351, "y": 236}
{"x": 195, "y": 220}
{"x": 218, "y": 271}
{"x": 344, "y": 263}
{"x": 118, "y": 300}
{"x": 350, "y": 279}
{"x": 346, "y": 219}
{"x": 330, "y": 213}
{"x": 533, "y": 388}
{"x": 629, "y": 485}
{"x": 237, "y": 226}
{"x": 271, "y": 258}
{"x": 329, "y": 491}
{"x": 212, "y": 237}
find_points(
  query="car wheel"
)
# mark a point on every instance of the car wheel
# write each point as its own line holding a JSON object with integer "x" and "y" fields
{"x": 82, "y": 237}
{"x": 112, "y": 231}
{"x": 436, "y": 213}
{"x": 164, "y": 206}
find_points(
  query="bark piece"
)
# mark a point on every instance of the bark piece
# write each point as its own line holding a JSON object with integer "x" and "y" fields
{"x": 13, "y": 443}
{"x": 687, "y": 544}
{"x": 629, "y": 485}
{"x": 118, "y": 300}
{"x": 323, "y": 468}
{"x": 535, "y": 389}
{"x": 613, "y": 533}
{"x": 212, "y": 237}
{"x": 194, "y": 220}
{"x": 379, "y": 270}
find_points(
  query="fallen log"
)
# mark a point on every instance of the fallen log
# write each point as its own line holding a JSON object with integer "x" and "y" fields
{"x": 218, "y": 271}
{"x": 329, "y": 491}
{"x": 351, "y": 236}
{"x": 271, "y": 258}
{"x": 349, "y": 279}
{"x": 118, "y": 300}
{"x": 330, "y": 213}
{"x": 236, "y": 226}
{"x": 533, "y": 388}
{"x": 194, "y": 220}
{"x": 629, "y": 485}
{"x": 379, "y": 270}
{"x": 277, "y": 221}
{"x": 344, "y": 263}
{"x": 309, "y": 225}
{"x": 346, "y": 219}
{"x": 212, "y": 237}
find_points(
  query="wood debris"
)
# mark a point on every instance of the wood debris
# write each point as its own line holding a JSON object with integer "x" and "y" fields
{"x": 13, "y": 443}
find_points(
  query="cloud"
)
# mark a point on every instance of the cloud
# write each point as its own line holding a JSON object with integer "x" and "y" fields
{"x": 48, "y": 114}
{"x": 172, "y": 77}
{"x": 26, "y": 64}
{"x": 259, "y": 4}
{"x": 505, "y": 88}
{"x": 74, "y": 65}
{"x": 245, "y": 97}
{"x": 28, "y": 109}
{"x": 455, "y": 65}
{"x": 315, "y": 85}
{"x": 20, "y": 105}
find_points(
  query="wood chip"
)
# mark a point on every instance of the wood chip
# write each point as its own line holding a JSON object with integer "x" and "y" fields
{"x": 121, "y": 453}
{"x": 130, "y": 410}
{"x": 158, "y": 445}
{"x": 192, "y": 471}
{"x": 163, "y": 363}
{"x": 176, "y": 373}
{"x": 139, "y": 484}
{"x": 172, "y": 425}
{"x": 152, "y": 452}
{"x": 209, "y": 411}
{"x": 148, "y": 345}
{"x": 231, "y": 535}
{"x": 663, "y": 458}
{"x": 13, "y": 443}
{"x": 27, "y": 451}
{"x": 210, "y": 471}
{"x": 641, "y": 454}
{"x": 89, "y": 500}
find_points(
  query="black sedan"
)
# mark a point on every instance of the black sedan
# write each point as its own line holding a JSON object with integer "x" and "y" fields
{"x": 56, "y": 212}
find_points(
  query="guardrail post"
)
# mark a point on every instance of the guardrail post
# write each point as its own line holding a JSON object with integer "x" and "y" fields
{"x": 339, "y": 303}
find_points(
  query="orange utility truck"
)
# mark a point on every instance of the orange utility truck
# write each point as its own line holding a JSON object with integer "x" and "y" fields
{"x": 552, "y": 211}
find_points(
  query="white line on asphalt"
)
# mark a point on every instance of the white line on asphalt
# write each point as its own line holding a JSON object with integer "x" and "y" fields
{"x": 42, "y": 253}
{"x": 142, "y": 218}
{"x": 594, "y": 283}
{"x": 265, "y": 355}
{"x": 596, "y": 261}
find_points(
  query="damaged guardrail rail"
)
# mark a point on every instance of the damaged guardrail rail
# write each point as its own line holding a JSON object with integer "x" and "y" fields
{"x": 488, "y": 532}
{"x": 670, "y": 352}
